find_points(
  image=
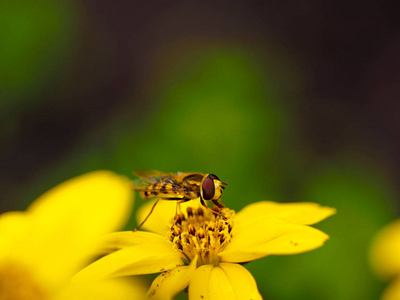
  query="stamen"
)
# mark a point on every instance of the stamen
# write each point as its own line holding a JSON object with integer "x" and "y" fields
{"x": 191, "y": 229}
{"x": 200, "y": 212}
{"x": 189, "y": 212}
{"x": 203, "y": 233}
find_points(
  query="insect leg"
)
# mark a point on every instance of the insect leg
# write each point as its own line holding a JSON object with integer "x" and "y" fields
{"x": 151, "y": 210}
{"x": 218, "y": 203}
{"x": 213, "y": 211}
{"x": 183, "y": 201}
{"x": 178, "y": 205}
{"x": 203, "y": 203}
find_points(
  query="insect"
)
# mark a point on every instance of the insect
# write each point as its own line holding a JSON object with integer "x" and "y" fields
{"x": 179, "y": 186}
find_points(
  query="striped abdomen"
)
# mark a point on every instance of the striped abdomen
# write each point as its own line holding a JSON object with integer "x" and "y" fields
{"x": 167, "y": 190}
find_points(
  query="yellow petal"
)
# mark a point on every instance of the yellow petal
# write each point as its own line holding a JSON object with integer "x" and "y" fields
{"x": 200, "y": 284}
{"x": 392, "y": 292}
{"x": 227, "y": 281}
{"x": 299, "y": 213}
{"x": 243, "y": 283}
{"x": 168, "y": 284}
{"x": 385, "y": 253}
{"x": 161, "y": 218}
{"x": 257, "y": 239}
{"x": 15, "y": 234}
{"x": 139, "y": 259}
{"x": 117, "y": 240}
{"x": 18, "y": 276}
{"x": 70, "y": 218}
{"x": 121, "y": 289}
{"x": 86, "y": 200}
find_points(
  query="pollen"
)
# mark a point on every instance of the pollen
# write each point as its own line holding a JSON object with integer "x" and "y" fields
{"x": 200, "y": 232}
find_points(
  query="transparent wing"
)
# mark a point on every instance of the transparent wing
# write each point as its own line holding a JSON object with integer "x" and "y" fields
{"x": 149, "y": 177}
{"x": 150, "y": 173}
{"x": 155, "y": 182}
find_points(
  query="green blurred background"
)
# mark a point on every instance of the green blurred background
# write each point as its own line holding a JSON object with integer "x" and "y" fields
{"x": 287, "y": 102}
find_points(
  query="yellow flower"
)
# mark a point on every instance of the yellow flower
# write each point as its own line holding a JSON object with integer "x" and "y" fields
{"x": 44, "y": 246}
{"x": 204, "y": 251}
{"x": 385, "y": 258}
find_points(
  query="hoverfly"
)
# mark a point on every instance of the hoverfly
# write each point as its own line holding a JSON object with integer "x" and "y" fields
{"x": 179, "y": 186}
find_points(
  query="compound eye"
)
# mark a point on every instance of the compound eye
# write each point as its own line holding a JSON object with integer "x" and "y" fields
{"x": 214, "y": 177}
{"x": 208, "y": 188}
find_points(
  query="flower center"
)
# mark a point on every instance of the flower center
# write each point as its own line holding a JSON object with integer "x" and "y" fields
{"x": 17, "y": 283}
{"x": 200, "y": 232}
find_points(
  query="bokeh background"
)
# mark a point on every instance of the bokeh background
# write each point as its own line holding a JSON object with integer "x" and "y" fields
{"x": 288, "y": 101}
